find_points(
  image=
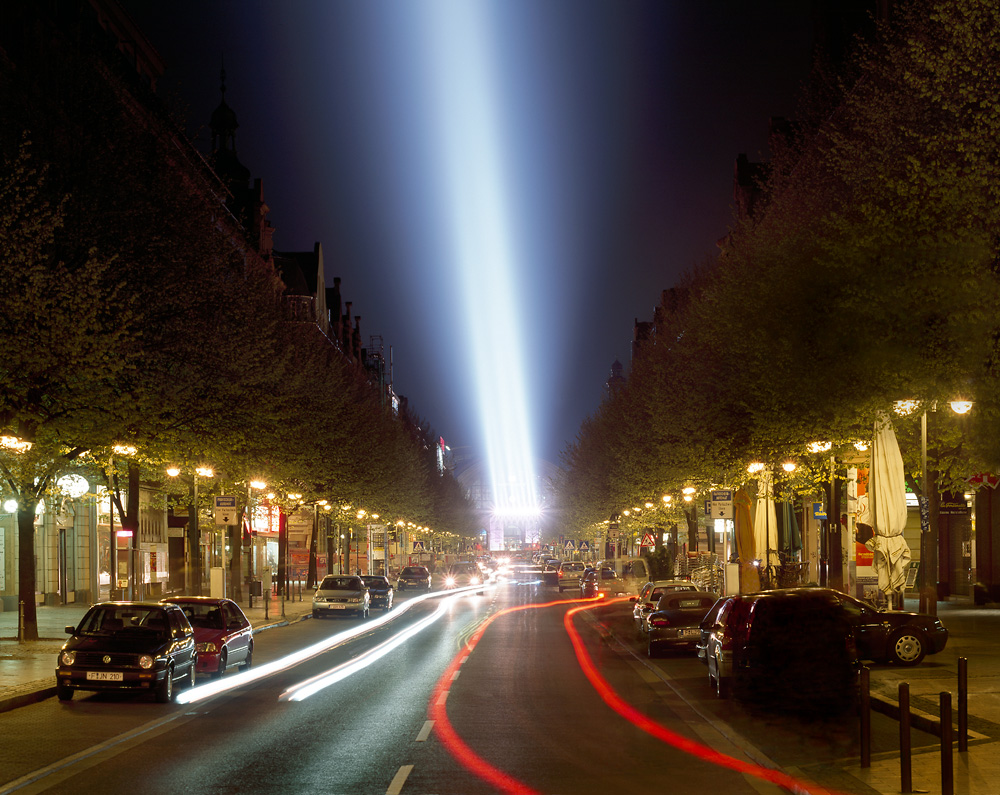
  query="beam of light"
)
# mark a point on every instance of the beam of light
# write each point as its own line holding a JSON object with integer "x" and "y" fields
{"x": 259, "y": 672}
{"x": 466, "y": 121}
{"x": 309, "y": 687}
{"x": 678, "y": 741}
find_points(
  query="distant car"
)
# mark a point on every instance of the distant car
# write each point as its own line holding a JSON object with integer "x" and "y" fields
{"x": 144, "y": 646}
{"x": 675, "y": 623}
{"x": 222, "y": 633}
{"x": 590, "y": 584}
{"x": 601, "y": 581}
{"x": 380, "y": 590}
{"x": 413, "y": 577}
{"x": 649, "y": 595}
{"x": 789, "y": 647}
{"x": 340, "y": 595}
{"x": 893, "y": 636}
{"x": 570, "y": 574}
{"x": 459, "y": 575}
{"x": 550, "y": 574}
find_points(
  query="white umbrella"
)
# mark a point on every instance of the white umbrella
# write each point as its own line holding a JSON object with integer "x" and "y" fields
{"x": 765, "y": 521}
{"x": 886, "y": 510}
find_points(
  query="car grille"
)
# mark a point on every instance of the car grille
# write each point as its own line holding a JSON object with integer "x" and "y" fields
{"x": 95, "y": 659}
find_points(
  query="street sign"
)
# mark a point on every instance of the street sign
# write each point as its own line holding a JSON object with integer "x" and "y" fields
{"x": 418, "y": 546}
{"x": 584, "y": 546}
{"x": 647, "y": 540}
{"x": 613, "y": 534}
{"x": 819, "y": 512}
{"x": 570, "y": 545}
{"x": 225, "y": 510}
{"x": 722, "y": 504}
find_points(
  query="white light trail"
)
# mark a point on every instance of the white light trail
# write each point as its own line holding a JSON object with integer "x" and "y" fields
{"x": 259, "y": 672}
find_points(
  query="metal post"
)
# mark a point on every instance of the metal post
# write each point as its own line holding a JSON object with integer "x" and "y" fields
{"x": 922, "y": 580}
{"x": 267, "y": 601}
{"x": 866, "y": 719}
{"x": 20, "y": 621}
{"x": 963, "y": 704}
{"x": 947, "y": 773}
{"x": 905, "y": 749}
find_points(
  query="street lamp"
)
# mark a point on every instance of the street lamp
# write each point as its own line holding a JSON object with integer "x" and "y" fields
{"x": 194, "y": 539}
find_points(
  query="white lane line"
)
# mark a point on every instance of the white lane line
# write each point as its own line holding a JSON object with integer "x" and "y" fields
{"x": 442, "y": 698}
{"x": 466, "y": 657}
{"x": 454, "y": 676}
{"x": 396, "y": 785}
{"x": 425, "y": 732}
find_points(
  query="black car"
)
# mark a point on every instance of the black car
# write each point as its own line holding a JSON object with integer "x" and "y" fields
{"x": 414, "y": 577}
{"x": 675, "y": 623}
{"x": 380, "y": 590}
{"x": 144, "y": 646}
{"x": 893, "y": 636}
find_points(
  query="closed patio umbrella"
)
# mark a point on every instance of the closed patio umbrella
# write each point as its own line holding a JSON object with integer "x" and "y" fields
{"x": 765, "y": 521}
{"x": 745, "y": 548}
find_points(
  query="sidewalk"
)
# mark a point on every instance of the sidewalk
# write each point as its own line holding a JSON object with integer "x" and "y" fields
{"x": 27, "y": 670}
{"x": 27, "y": 676}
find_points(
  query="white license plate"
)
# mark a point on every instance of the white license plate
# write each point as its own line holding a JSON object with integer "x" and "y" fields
{"x": 336, "y": 607}
{"x": 104, "y": 676}
{"x": 684, "y": 633}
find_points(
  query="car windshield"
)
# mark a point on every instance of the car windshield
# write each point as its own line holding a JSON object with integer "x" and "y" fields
{"x": 341, "y": 584}
{"x": 414, "y": 571}
{"x": 573, "y": 567}
{"x": 376, "y": 582}
{"x": 112, "y": 619}
{"x": 204, "y": 615}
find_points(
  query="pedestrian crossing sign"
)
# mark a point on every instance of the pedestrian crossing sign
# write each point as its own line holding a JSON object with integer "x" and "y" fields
{"x": 584, "y": 546}
{"x": 570, "y": 545}
{"x": 647, "y": 540}
{"x": 418, "y": 546}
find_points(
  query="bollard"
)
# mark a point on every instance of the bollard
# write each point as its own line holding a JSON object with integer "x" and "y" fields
{"x": 267, "y": 601}
{"x": 947, "y": 773}
{"x": 905, "y": 749}
{"x": 963, "y": 704}
{"x": 866, "y": 719}
{"x": 20, "y": 622}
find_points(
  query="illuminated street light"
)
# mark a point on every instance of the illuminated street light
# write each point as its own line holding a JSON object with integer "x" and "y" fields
{"x": 10, "y": 506}
{"x": 820, "y": 447}
{"x": 649, "y": 505}
{"x": 205, "y": 472}
{"x": 123, "y": 449}
{"x": 173, "y": 471}
{"x": 961, "y": 406}
{"x": 15, "y": 444}
{"x": 260, "y": 485}
{"x": 667, "y": 498}
{"x": 755, "y": 467}
{"x": 789, "y": 466}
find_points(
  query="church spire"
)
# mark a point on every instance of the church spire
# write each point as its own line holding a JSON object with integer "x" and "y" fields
{"x": 223, "y": 125}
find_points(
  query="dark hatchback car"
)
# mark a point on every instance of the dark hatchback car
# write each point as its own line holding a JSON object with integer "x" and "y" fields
{"x": 380, "y": 590}
{"x": 144, "y": 646}
{"x": 414, "y": 577}
{"x": 675, "y": 623}
{"x": 893, "y": 636}
{"x": 790, "y": 648}
{"x": 222, "y": 633}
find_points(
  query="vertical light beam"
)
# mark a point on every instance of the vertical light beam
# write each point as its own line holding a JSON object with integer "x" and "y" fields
{"x": 465, "y": 105}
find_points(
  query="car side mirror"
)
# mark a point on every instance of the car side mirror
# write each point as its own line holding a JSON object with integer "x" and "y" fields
{"x": 70, "y": 630}
{"x": 633, "y": 598}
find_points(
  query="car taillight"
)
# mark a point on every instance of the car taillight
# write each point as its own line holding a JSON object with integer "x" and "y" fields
{"x": 659, "y": 622}
{"x": 650, "y": 605}
{"x": 560, "y": 574}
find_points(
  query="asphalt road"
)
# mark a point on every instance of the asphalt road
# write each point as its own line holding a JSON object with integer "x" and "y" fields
{"x": 521, "y": 708}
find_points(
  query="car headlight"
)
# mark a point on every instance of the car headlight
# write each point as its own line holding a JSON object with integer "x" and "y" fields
{"x": 145, "y": 661}
{"x": 449, "y": 581}
{"x": 207, "y": 648}
{"x": 354, "y": 599}
{"x": 473, "y": 581}
{"x": 67, "y": 657}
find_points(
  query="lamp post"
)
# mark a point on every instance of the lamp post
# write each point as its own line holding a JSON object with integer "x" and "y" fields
{"x": 193, "y": 578}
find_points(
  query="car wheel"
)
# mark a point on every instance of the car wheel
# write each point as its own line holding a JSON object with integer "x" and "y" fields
{"x": 223, "y": 663}
{"x": 652, "y": 650}
{"x": 165, "y": 690}
{"x": 192, "y": 674}
{"x": 907, "y": 647}
{"x": 248, "y": 660}
{"x": 64, "y": 693}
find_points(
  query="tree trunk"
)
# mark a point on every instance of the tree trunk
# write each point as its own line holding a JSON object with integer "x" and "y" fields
{"x": 235, "y": 533}
{"x": 26, "y": 564}
{"x": 692, "y": 522}
{"x": 282, "y": 550}
{"x": 312, "y": 574}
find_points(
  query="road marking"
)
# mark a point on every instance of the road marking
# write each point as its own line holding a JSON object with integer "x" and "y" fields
{"x": 462, "y": 662}
{"x": 396, "y": 785}
{"x": 442, "y": 698}
{"x": 454, "y": 676}
{"x": 425, "y": 732}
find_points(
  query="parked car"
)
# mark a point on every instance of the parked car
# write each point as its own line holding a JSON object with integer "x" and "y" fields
{"x": 570, "y": 574}
{"x": 790, "y": 647}
{"x": 461, "y": 574}
{"x": 676, "y": 621}
{"x": 341, "y": 594}
{"x": 893, "y": 636}
{"x": 413, "y": 577}
{"x": 222, "y": 634}
{"x": 550, "y": 574}
{"x": 380, "y": 590}
{"x": 601, "y": 581}
{"x": 649, "y": 595}
{"x": 143, "y": 646}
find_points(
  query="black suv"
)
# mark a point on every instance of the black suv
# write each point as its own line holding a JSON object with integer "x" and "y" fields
{"x": 414, "y": 577}
{"x": 143, "y": 646}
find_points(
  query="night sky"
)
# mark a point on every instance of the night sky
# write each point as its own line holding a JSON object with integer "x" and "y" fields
{"x": 620, "y": 123}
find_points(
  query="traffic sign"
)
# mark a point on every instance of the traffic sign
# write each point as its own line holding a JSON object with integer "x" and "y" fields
{"x": 570, "y": 545}
{"x": 225, "y": 510}
{"x": 647, "y": 540}
{"x": 722, "y": 503}
{"x": 584, "y": 546}
{"x": 418, "y": 546}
